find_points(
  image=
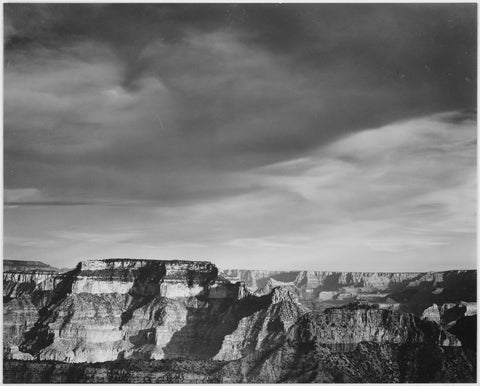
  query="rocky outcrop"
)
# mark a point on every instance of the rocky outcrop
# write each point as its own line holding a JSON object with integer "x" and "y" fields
{"x": 432, "y": 313}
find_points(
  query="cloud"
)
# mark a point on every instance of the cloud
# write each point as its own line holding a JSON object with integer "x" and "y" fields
{"x": 403, "y": 198}
{"x": 285, "y": 127}
{"x": 166, "y": 108}
{"x": 417, "y": 171}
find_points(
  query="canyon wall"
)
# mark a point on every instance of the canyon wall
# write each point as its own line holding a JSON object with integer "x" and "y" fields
{"x": 111, "y": 309}
{"x": 161, "y": 313}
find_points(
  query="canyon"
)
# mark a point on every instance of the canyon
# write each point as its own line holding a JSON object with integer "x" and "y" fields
{"x": 142, "y": 321}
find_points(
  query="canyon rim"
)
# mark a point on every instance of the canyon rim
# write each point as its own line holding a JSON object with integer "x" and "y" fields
{"x": 240, "y": 193}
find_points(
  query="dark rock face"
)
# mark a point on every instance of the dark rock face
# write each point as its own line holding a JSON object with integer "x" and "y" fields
{"x": 345, "y": 327}
{"x": 465, "y": 329}
{"x": 180, "y": 321}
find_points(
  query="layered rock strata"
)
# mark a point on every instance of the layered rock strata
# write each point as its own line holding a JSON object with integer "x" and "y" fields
{"x": 180, "y": 321}
{"x": 111, "y": 309}
{"x": 26, "y": 289}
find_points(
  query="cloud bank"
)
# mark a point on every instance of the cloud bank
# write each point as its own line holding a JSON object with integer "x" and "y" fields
{"x": 398, "y": 197}
{"x": 252, "y": 135}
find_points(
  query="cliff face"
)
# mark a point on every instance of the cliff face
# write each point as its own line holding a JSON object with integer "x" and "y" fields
{"x": 106, "y": 310}
{"x": 17, "y": 284}
{"x": 343, "y": 328}
{"x": 26, "y": 289}
{"x": 386, "y": 348}
{"x": 204, "y": 328}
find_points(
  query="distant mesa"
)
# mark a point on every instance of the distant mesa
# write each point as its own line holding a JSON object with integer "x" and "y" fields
{"x": 25, "y": 265}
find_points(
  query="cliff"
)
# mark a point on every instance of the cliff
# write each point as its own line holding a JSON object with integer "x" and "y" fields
{"x": 172, "y": 321}
{"x": 147, "y": 309}
{"x": 358, "y": 344}
{"x": 343, "y": 328}
{"x": 26, "y": 289}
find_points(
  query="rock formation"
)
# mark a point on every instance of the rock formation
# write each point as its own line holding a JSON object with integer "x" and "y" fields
{"x": 179, "y": 321}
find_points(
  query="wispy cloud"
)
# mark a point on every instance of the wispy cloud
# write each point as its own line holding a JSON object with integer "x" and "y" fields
{"x": 398, "y": 196}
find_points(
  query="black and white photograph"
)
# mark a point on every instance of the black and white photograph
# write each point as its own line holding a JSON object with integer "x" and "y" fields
{"x": 239, "y": 193}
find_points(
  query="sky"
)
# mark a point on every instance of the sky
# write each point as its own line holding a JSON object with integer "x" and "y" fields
{"x": 256, "y": 136}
